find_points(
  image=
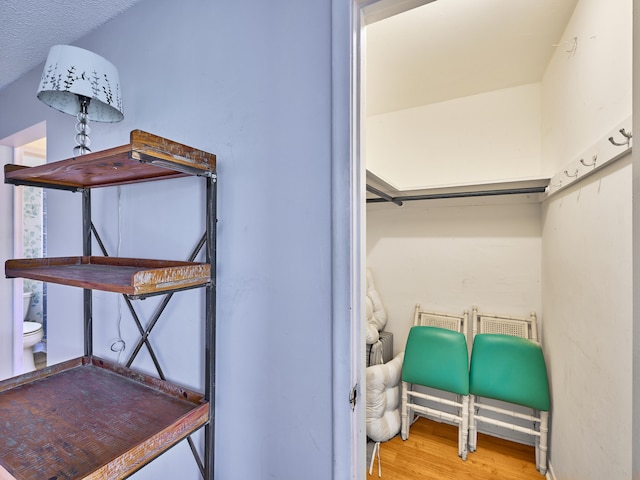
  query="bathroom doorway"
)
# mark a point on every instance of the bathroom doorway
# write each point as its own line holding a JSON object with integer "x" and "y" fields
{"x": 23, "y": 227}
{"x": 29, "y": 240}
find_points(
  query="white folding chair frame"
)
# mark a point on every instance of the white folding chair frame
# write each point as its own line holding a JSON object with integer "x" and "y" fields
{"x": 540, "y": 430}
{"x": 457, "y": 323}
{"x": 462, "y": 419}
{"x": 525, "y": 327}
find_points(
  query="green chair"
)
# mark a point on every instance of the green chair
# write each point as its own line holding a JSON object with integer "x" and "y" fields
{"x": 512, "y": 370}
{"x": 436, "y": 358}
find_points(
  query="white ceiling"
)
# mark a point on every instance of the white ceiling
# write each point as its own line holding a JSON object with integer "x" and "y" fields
{"x": 442, "y": 50}
{"x": 31, "y": 27}
{"x": 454, "y": 48}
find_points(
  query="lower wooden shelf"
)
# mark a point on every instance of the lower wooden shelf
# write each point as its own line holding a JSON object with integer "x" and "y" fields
{"x": 90, "y": 419}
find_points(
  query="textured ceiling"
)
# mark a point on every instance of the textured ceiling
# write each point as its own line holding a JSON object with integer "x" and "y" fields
{"x": 28, "y": 28}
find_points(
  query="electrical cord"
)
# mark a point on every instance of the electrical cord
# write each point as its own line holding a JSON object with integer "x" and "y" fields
{"x": 119, "y": 345}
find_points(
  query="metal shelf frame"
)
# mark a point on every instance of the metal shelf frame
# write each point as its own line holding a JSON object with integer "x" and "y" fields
{"x": 208, "y": 241}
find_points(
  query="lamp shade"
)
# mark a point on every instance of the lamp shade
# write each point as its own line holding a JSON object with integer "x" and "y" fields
{"x": 72, "y": 72}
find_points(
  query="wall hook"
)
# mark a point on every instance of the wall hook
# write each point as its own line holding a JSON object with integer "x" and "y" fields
{"x": 592, "y": 164}
{"x": 626, "y": 135}
{"x": 556, "y": 185}
{"x": 573, "y": 45}
{"x": 575, "y": 175}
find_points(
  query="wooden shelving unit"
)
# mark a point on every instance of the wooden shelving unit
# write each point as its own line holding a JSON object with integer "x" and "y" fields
{"x": 88, "y": 418}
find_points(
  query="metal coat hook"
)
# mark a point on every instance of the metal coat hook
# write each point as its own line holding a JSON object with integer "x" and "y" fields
{"x": 592, "y": 164}
{"x": 573, "y": 45}
{"x": 575, "y": 175}
{"x": 626, "y": 135}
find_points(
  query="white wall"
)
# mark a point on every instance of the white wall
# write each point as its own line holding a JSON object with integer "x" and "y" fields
{"x": 251, "y": 82}
{"x": 587, "y": 339}
{"x": 635, "y": 407}
{"x": 481, "y": 138}
{"x": 586, "y": 93}
{"x": 450, "y": 255}
{"x": 586, "y": 272}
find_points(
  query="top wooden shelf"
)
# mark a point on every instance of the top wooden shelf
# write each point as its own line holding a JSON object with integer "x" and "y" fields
{"x": 147, "y": 157}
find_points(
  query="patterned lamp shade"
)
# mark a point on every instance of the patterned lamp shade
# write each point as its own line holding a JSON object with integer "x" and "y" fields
{"x": 71, "y": 73}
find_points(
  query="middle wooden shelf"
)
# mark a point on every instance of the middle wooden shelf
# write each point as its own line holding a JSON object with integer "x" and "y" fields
{"x": 129, "y": 276}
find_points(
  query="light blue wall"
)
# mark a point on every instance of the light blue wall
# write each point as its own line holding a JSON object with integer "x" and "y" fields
{"x": 251, "y": 82}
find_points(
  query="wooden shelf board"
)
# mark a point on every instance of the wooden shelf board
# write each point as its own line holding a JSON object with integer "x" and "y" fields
{"x": 89, "y": 419}
{"x": 147, "y": 157}
{"x": 129, "y": 276}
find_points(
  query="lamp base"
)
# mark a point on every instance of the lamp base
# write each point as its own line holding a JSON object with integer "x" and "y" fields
{"x": 82, "y": 127}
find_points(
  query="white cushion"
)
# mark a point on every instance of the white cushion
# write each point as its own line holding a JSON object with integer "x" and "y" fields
{"x": 376, "y": 316}
{"x": 383, "y": 399}
{"x": 372, "y": 330}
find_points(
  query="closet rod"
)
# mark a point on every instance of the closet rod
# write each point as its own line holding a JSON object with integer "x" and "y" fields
{"x": 434, "y": 196}
{"x": 384, "y": 196}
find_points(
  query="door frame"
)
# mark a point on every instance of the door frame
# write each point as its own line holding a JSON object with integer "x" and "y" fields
{"x": 349, "y": 435}
{"x": 348, "y": 183}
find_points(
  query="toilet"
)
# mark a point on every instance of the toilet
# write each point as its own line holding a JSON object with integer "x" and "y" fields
{"x": 32, "y": 333}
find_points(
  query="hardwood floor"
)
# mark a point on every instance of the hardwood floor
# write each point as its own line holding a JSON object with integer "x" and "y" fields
{"x": 431, "y": 452}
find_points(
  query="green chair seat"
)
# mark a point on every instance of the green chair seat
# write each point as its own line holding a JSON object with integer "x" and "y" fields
{"x": 443, "y": 365}
{"x": 510, "y": 369}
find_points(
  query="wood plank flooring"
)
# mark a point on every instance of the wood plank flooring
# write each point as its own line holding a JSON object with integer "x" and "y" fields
{"x": 431, "y": 452}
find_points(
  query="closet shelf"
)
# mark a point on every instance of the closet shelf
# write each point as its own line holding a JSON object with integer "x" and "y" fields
{"x": 378, "y": 190}
{"x": 89, "y": 419}
{"x": 147, "y": 157}
{"x": 129, "y": 276}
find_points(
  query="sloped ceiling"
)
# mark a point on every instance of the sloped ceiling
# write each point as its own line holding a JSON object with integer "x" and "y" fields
{"x": 454, "y": 48}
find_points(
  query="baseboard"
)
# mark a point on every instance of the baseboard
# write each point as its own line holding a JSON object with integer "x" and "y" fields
{"x": 550, "y": 475}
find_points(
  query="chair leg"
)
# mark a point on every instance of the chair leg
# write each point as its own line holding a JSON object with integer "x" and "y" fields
{"x": 473, "y": 432}
{"x": 543, "y": 445}
{"x": 376, "y": 452}
{"x": 463, "y": 436}
{"x": 404, "y": 430}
